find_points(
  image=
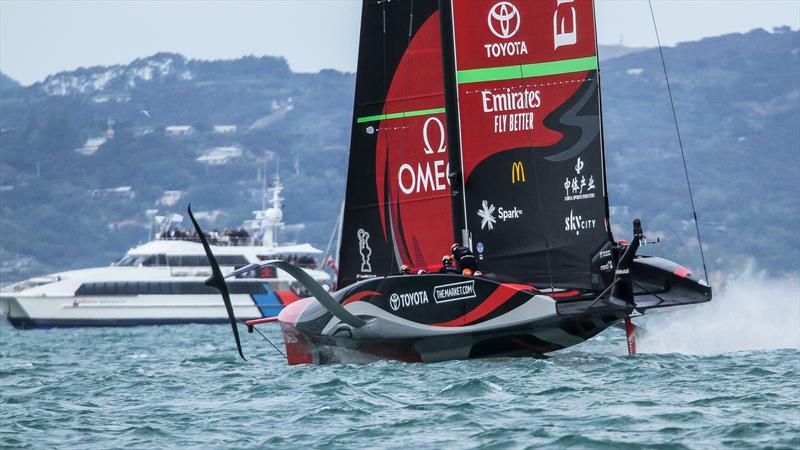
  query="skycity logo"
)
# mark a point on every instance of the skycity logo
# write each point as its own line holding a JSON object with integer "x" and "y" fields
{"x": 502, "y": 17}
{"x": 578, "y": 223}
{"x": 397, "y": 301}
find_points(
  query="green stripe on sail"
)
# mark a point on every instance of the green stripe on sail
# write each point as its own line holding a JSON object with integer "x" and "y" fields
{"x": 527, "y": 70}
{"x": 400, "y": 115}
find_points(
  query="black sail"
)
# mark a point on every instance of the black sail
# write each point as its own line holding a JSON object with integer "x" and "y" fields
{"x": 397, "y": 206}
{"x": 531, "y": 140}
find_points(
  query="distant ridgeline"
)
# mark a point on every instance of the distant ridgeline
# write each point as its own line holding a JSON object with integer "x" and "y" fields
{"x": 84, "y": 154}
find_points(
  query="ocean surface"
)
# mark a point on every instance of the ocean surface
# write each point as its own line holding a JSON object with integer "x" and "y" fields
{"x": 723, "y": 375}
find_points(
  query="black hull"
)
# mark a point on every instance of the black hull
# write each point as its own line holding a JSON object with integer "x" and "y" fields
{"x": 526, "y": 341}
{"x": 437, "y": 317}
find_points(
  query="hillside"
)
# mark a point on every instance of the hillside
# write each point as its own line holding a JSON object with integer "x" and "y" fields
{"x": 65, "y": 142}
{"x": 7, "y": 82}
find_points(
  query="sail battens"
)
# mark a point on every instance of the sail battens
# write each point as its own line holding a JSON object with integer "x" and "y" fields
{"x": 400, "y": 115}
{"x": 527, "y": 70}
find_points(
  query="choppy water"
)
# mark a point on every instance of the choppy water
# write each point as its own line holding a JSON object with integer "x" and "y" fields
{"x": 724, "y": 375}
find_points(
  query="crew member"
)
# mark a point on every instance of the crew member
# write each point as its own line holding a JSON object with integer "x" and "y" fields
{"x": 405, "y": 270}
{"x": 447, "y": 265}
{"x": 464, "y": 259}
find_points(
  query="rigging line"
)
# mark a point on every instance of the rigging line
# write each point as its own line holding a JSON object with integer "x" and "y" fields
{"x": 680, "y": 141}
{"x": 270, "y": 342}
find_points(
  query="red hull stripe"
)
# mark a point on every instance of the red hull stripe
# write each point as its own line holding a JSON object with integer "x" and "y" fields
{"x": 359, "y": 296}
{"x": 498, "y": 297}
{"x": 564, "y": 294}
{"x": 520, "y": 287}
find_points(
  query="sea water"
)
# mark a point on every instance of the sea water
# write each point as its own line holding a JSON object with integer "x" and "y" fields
{"x": 722, "y": 375}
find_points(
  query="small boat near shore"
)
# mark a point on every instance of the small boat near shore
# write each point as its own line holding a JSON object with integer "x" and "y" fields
{"x": 161, "y": 282}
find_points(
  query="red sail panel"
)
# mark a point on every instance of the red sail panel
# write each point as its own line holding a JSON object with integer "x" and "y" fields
{"x": 529, "y": 115}
{"x": 411, "y": 165}
{"x": 503, "y": 52}
{"x": 397, "y": 208}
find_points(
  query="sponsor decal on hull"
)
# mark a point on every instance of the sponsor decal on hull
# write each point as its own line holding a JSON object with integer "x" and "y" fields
{"x": 454, "y": 291}
{"x": 397, "y": 301}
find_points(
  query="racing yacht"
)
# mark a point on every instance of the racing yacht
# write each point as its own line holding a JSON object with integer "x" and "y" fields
{"x": 161, "y": 281}
{"x": 477, "y": 132}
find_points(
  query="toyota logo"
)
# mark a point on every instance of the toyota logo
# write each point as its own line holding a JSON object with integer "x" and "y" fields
{"x": 394, "y": 302}
{"x": 503, "y": 20}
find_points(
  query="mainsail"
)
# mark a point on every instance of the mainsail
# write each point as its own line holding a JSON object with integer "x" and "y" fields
{"x": 397, "y": 207}
{"x": 535, "y": 202}
{"x": 520, "y": 81}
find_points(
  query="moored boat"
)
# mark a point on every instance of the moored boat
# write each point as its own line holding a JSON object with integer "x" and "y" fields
{"x": 161, "y": 281}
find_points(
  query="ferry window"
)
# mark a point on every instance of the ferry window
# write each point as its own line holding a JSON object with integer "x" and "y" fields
{"x": 131, "y": 260}
{"x": 232, "y": 260}
{"x": 187, "y": 261}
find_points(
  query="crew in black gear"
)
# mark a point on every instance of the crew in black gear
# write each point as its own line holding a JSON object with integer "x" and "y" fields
{"x": 447, "y": 265}
{"x": 464, "y": 258}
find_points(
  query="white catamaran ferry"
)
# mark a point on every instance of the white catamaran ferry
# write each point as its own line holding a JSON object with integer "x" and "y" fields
{"x": 161, "y": 282}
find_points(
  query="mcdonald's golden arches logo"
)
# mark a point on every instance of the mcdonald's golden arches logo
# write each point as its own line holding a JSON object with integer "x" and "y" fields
{"x": 517, "y": 172}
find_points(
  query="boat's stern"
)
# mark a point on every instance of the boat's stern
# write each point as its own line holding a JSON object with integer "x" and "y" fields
{"x": 11, "y": 308}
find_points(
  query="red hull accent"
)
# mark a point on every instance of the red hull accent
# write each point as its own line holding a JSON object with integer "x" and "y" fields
{"x": 498, "y": 297}
{"x": 630, "y": 335}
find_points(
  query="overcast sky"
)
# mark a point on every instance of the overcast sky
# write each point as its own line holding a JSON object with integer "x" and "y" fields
{"x": 39, "y": 38}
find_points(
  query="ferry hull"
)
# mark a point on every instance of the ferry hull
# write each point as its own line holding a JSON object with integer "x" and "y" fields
{"x": 68, "y": 311}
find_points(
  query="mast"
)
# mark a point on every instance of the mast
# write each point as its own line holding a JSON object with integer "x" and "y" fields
{"x": 456, "y": 175}
{"x": 600, "y": 116}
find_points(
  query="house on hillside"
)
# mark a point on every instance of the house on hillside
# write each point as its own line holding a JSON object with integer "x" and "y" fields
{"x": 224, "y": 129}
{"x": 91, "y": 145}
{"x": 115, "y": 192}
{"x": 170, "y": 198}
{"x": 179, "y": 130}
{"x": 218, "y": 156}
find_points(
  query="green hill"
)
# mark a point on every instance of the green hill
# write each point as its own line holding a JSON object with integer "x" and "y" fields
{"x": 736, "y": 98}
